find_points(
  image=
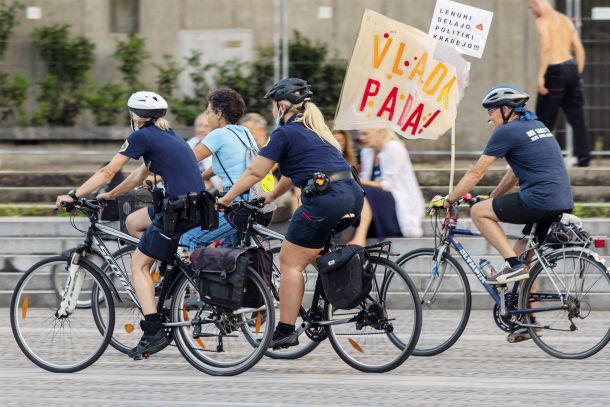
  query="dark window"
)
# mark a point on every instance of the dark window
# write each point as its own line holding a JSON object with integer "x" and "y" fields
{"x": 125, "y": 16}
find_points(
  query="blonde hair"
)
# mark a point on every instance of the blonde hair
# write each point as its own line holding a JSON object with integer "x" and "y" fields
{"x": 160, "y": 122}
{"x": 313, "y": 119}
{"x": 387, "y": 135}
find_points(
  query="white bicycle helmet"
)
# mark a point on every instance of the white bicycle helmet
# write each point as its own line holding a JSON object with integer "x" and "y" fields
{"x": 147, "y": 105}
{"x": 502, "y": 95}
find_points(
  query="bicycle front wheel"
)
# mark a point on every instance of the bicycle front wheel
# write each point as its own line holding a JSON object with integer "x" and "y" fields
{"x": 380, "y": 334}
{"x": 445, "y": 299}
{"x": 216, "y": 340}
{"x": 571, "y": 296}
{"x": 57, "y": 341}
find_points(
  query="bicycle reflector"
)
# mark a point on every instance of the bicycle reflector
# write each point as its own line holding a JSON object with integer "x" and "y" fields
{"x": 600, "y": 243}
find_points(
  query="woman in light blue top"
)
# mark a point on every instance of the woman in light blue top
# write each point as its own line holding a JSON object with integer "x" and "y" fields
{"x": 226, "y": 143}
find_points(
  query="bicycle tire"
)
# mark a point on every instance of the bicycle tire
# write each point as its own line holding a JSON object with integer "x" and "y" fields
{"x": 405, "y": 349}
{"x": 545, "y": 336}
{"x": 424, "y": 346}
{"x": 196, "y": 356}
{"x": 20, "y": 307}
{"x": 127, "y": 315}
{"x": 294, "y": 352}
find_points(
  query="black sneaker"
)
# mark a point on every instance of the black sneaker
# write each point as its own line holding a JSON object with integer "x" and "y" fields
{"x": 284, "y": 342}
{"x": 509, "y": 275}
{"x": 153, "y": 340}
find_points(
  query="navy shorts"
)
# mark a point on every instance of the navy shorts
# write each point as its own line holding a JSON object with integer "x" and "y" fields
{"x": 313, "y": 222}
{"x": 155, "y": 243}
{"x": 510, "y": 208}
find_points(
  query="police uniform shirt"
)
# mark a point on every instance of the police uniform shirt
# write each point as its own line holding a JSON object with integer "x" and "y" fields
{"x": 300, "y": 152}
{"x": 168, "y": 155}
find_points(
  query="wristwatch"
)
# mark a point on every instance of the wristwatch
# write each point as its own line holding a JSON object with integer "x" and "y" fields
{"x": 72, "y": 194}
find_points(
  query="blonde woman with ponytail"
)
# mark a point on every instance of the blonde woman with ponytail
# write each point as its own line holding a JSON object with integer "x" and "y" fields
{"x": 301, "y": 146}
{"x": 167, "y": 154}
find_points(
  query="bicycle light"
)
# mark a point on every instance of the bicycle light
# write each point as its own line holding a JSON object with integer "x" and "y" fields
{"x": 600, "y": 243}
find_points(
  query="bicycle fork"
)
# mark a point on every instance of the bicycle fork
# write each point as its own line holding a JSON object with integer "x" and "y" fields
{"x": 74, "y": 284}
{"x": 438, "y": 271}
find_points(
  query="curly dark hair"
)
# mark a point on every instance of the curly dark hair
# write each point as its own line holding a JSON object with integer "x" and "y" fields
{"x": 228, "y": 102}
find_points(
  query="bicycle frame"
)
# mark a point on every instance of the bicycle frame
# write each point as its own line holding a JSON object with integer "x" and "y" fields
{"x": 498, "y": 297}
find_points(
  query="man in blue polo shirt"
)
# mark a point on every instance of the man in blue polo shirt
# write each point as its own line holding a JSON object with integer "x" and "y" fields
{"x": 535, "y": 164}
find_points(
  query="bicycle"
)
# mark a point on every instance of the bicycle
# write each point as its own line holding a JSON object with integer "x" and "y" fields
{"x": 375, "y": 336}
{"x": 189, "y": 321}
{"x": 568, "y": 283}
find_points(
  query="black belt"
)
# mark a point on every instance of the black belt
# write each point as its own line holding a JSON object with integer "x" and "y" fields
{"x": 338, "y": 176}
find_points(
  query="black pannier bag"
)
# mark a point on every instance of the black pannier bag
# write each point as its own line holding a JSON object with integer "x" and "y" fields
{"x": 262, "y": 263}
{"x": 221, "y": 275}
{"x": 345, "y": 279}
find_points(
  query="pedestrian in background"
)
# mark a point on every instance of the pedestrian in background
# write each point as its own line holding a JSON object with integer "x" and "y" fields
{"x": 394, "y": 204}
{"x": 559, "y": 75}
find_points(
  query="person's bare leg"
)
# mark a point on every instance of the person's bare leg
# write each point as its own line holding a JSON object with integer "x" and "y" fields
{"x": 366, "y": 218}
{"x": 486, "y": 221}
{"x": 137, "y": 222}
{"x": 142, "y": 281}
{"x": 293, "y": 260}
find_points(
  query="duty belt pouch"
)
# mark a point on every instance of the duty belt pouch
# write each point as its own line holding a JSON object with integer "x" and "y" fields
{"x": 345, "y": 279}
{"x": 221, "y": 275}
{"x": 262, "y": 263}
{"x": 157, "y": 199}
{"x": 170, "y": 216}
{"x": 207, "y": 211}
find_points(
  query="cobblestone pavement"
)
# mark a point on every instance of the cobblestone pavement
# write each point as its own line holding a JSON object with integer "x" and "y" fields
{"x": 482, "y": 369}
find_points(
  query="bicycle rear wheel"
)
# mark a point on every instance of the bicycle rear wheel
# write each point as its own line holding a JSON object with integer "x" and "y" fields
{"x": 127, "y": 332}
{"x": 573, "y": 302}
{"x": 213, "y": 339}
{"x": 445, "y": 299}
{"x": 61, "y": 344}
{"x": 380, "y": 334}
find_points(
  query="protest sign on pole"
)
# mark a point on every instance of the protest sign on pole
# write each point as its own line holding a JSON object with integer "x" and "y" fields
{"x": 462, "y": 26}
{"x": 394, "y": 80}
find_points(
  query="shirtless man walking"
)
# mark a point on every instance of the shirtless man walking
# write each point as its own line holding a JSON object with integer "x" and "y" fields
{"x": 562, "y": 61}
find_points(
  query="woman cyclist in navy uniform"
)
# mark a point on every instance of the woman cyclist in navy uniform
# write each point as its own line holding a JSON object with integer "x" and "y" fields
{"x": 301, "y": 145}
{"x": 168, "y": 155}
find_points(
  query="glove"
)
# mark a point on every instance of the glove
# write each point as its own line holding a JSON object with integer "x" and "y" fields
{"x": 438, "y": 202}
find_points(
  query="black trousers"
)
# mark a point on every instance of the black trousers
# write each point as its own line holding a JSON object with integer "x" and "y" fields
{"x": 565, "y": 92}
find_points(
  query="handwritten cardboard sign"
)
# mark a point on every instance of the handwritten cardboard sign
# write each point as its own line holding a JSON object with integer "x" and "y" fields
{"x": 393, "y": 80}
{"x": 461, "y": 26}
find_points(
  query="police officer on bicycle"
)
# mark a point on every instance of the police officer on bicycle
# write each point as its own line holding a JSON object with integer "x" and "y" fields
{"x": 168, "y": 155}
{"x": 309, "y": 158}
{"x": 536, "y": 164}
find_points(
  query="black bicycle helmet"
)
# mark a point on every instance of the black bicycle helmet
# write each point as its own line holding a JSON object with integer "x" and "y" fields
{"x": 294, "y": 90}
{"x": 499, "y": 96}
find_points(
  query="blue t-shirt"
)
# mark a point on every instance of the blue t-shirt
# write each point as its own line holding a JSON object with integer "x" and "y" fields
{"x": 535, "y": 157}
{"x": 168, "y": 155}
{"x": 227, "y": 148}
{"x": 300, "y": 152}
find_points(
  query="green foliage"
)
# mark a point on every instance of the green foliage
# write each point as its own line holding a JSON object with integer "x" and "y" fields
{"x": 131, "y": 54}
{"x": 13, "y": 94}
{"x": 167, "y": 77}
{"x": 58, "y": 103}
{"x": 187, "y": 108}
{"x": 68, "y": 59}
{"x": 8, "y": 16}
{"x": 12, "y": 210}
{"x": 107, "y": 101}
